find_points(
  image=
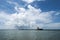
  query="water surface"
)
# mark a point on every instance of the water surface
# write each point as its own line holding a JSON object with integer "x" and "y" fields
{"x": 29, "y": 35}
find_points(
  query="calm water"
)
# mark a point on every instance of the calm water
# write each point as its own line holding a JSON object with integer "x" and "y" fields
{"x": 29, "y": 35}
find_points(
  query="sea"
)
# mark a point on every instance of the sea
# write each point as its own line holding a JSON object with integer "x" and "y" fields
{"x": 29, "y": 35}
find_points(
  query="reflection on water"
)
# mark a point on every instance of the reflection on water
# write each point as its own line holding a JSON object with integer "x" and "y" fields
{"x": 29, "y": 35}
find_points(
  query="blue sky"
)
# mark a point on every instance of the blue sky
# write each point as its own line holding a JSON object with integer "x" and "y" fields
{"x": 46, "y": 5}
{"x": 30, "y": 14}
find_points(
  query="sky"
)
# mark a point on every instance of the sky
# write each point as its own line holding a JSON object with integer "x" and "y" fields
{"x": 29, "y": 14}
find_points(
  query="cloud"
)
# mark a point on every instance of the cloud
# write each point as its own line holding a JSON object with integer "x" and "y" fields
{"x": 30, "y": 1}
{"x": 53, "y": 26}
{"x": 6, "y": 20}
{"x": 30, "y": 18}
{"x": 13, "y": 3}
{"x": 57, "y": 13}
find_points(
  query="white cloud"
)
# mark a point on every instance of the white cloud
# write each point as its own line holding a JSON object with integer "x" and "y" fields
{"x": 13, "y": 3}
{"x": 53, "y": 26}
{"x": 30, "y": 1}
{"x": 57, "y": 13}
{"x": 27, "y": 18}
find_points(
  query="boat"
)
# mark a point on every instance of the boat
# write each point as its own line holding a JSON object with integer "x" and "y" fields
{"x": 39, "y": 28}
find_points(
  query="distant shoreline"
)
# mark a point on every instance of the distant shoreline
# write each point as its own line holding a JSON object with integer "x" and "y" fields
{"x": 34, "y": 29}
